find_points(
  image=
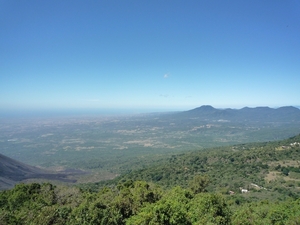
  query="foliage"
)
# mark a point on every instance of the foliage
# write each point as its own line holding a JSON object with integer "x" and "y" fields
{"x": 199, "y": 184}
{"x": 136, "y": 203}
{"x": 209, "y": 209}
{"x": 268, "y": 213}
{"x": 170, "y": 209}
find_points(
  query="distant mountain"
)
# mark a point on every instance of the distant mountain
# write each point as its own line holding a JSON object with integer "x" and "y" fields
{"x": 209, "y": 112}
{"x": 13, "y": 171}
{"x": 258, "y": 114}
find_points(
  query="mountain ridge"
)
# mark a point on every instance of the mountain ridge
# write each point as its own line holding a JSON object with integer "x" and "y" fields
{"x": 257, "y": 114}
{"x": 13, "y": 172}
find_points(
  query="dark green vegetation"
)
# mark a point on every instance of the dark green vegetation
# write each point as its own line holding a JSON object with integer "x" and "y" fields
{"x": 127, "y": 203}
{"x": 138, "y": 203}
{"x": 199, "y": 187}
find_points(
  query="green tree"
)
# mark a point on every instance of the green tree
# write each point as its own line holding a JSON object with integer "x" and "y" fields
{"x": 207, "y": 208}
{"x": 171, "y": 209}
{"x": 199, "y": 184}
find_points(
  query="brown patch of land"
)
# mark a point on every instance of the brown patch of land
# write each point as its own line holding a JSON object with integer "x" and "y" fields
{"x": 272, "y": 175}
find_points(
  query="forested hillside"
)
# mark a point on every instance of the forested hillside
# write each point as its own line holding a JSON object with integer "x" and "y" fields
{"x": 243, "y": 184}
{"x": 270, "y": 170}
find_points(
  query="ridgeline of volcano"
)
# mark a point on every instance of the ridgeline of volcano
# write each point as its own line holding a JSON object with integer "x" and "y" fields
{"x": 246, "y": 114}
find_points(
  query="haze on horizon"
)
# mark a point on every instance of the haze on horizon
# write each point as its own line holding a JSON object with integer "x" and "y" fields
{"x": 148, "y": 55}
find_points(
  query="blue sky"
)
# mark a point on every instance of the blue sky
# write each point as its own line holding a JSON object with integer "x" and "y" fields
{"x": 150, "y": 55}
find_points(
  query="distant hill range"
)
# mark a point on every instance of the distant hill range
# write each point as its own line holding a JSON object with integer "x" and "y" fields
{"x": 258, "y": 114}
{"x": 13, "y": 171}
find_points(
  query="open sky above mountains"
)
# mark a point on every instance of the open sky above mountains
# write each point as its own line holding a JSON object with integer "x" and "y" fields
{"x": 156, "y": 55}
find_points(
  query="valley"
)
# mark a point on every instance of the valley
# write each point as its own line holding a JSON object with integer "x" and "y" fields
{"x": 112, "y": 145}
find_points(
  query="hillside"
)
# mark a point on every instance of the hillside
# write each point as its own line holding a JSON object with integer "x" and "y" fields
{"x": 272, "y": 166}
{"x": 13, "y": 172}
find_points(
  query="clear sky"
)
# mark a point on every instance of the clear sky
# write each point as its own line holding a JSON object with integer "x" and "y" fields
{"x": 136, "y": 54}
